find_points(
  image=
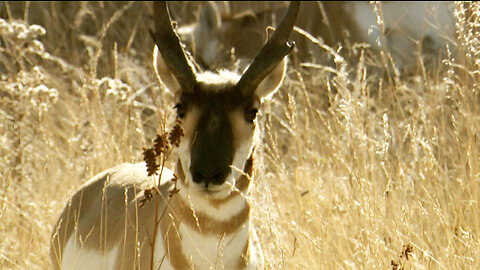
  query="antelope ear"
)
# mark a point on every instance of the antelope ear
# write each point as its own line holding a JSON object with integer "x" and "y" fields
{"x": 205, "y": 43}
{"x": 210, "y": 17}
{"x": 272, "y": 82}
{"x": 164, "y": 76}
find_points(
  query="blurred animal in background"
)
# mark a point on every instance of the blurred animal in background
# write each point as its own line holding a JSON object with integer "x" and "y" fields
{"x": 226, "y": 32}
{"x": 229, "y": 31}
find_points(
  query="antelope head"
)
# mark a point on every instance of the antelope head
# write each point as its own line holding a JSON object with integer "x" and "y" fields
{"x": 217, "y": 110}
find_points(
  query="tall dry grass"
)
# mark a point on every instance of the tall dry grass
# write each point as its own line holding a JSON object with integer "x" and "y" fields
{"x": 359, "y": 166}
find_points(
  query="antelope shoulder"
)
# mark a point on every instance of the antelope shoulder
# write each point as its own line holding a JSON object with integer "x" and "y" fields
{"x": 104, "y": 223}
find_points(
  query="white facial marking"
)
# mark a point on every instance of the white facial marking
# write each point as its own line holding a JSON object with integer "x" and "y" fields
{"x": 243, "y": 142}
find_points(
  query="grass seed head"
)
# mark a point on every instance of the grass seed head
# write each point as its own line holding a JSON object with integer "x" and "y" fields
{"x": 176, "y": 133}
{"x": 147, "y": 196}
{"x": 161, "y": 144}
{"x": 150, "y": 158}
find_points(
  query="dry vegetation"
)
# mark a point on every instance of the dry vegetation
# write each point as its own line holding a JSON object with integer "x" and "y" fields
{"x": 359, "y": 165}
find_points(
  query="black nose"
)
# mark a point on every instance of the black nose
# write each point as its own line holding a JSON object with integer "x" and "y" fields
{"x": 209, "y": 176}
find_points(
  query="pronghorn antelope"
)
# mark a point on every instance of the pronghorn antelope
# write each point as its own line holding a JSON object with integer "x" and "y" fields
{"x": 206, "y": 224}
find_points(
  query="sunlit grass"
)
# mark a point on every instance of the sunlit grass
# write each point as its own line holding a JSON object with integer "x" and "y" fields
{"x": 358, "y": 167}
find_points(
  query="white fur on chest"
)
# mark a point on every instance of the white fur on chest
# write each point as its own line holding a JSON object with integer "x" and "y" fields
{"x": 214, "y": 251}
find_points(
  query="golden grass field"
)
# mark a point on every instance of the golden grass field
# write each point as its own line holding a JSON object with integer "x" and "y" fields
{"x": 359, "y": 165}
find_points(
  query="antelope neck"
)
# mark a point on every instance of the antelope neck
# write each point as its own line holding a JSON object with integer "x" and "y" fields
{"x": 181, "y": 214}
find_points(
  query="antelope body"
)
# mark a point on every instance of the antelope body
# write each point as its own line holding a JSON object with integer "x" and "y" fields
{"x": 108, "y": 224}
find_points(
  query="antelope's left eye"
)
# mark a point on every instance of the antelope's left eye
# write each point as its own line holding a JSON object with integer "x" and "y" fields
{"x": 251, "y": 114}
{"x": 180, "y": 110}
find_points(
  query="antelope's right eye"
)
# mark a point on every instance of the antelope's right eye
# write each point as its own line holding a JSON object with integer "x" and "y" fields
{"x": 180, "y": 110}
{"x": 251, "y": 115}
